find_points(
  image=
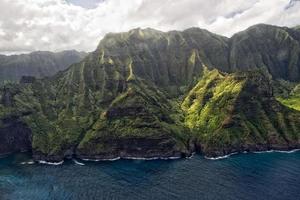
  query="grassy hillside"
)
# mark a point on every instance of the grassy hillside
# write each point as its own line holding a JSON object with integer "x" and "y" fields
{"x": 238, "y": 112}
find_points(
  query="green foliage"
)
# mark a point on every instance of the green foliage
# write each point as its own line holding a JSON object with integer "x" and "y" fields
{"x": 211, "y": 101}
{"x": 237, "y": 111}
{"x": 141, "y": 112}
{"x": 293, "y": 99}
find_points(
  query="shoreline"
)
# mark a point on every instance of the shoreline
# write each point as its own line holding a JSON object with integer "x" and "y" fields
{"x": 77, "y": 160}
{"x": 50, "y": 163}
{"x": 277, "y": 151}
{"x": 246, "y": 152}
{"x": 221, "y": 157}
{"x": 130, "y": 158}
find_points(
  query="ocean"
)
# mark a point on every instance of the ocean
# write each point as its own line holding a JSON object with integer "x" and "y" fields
{"x": 252, "y": 176}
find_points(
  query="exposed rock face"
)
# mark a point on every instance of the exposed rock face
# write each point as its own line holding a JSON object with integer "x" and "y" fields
{"x": 132, "y": 148}
{"x": 15, "y": 136}
{"x": 37, "y": 64}
{"x": 147, "y": 93}
{"x": 14, "y": 133}
{"x": 271, "y": 48}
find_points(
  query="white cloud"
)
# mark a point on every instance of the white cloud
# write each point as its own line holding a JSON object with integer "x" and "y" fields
{"x": 29, "y": 25}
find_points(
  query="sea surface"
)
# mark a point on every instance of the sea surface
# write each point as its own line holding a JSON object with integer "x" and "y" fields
{"x": 252, "y": 176}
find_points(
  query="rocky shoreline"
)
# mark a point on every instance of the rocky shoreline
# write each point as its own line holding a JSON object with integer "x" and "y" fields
{"x": 250, "y": 149}
{"x": 164, "y": 158}
{"x": 146, "y": 154}
{"x": 58, "y": 160}
{"x": 212, "y": 154}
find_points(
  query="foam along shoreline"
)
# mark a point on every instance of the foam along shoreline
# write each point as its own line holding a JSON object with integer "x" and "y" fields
{"x": 277, "y": 151}
{"x": 220, "y": 157}
{"x": 155, "y": 158}
{"x": 50, "y": 163}
{"x": 27, "y": 163}
{"x": 268, "y": 151}
{"x": 191, "y": 156}
{"x": 77, "y": 162}
{"x": 98, "y": 160}
{"x": 132, "y": 158}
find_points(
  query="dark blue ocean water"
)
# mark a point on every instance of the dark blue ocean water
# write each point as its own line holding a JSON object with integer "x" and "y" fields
{"x": 246, "y": 176}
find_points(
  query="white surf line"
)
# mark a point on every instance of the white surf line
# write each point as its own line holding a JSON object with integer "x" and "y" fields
{"x": 268, "y": 151}
{"x": 171, "y": 158}
{"x": 132, "y": 158}
{"x": 220, "y": 157}
{"x": 98, "y": 160}
{"x": 191, "y": 156}
{"x": 291, "y": 151}
{"x": 50, "y": 163}
{"x": 277, "y": 151}
{"x": 77, "y": 162}
{"x": 140, "y": 158}
{"x": 156, "y": 158}
{"x": 152, "y": 158}
{"x": 27, "y": 163}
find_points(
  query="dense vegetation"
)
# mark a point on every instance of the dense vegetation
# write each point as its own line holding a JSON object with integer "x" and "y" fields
{"x": 291, "y": 100}
{"x": 146, "y": 93}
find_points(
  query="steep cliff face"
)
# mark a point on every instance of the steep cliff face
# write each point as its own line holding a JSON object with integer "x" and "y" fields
{"x": 15, "y": 136}
{"x": 238, "y": 112}
{"x": 147, "y": 93}
{"x": 141, "y": 122}
{"x": 37, "y": 64}
{"x": 172, "y": 60}
{"x": 160, "y": 56}
{"x": 14, "y": 133}
{"x": 274, "y": 49}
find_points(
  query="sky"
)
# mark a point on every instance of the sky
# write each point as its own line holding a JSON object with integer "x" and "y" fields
{"x": 56, "y": 25}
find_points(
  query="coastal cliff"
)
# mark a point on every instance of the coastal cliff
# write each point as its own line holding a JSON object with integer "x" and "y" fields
{"x": 152, "y": 94}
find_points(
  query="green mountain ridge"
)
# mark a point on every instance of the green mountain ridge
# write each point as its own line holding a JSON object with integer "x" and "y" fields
{"x": 37, "y": 64}
{"x": 147, "y": 93}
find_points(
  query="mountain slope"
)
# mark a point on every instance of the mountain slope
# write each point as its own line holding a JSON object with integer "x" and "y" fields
{"x": 37, "y": 64}
{"x": 146, "y": 93}
{"x": 297, "y": 27}
{"x": 292, "y": 100}
{"x": 237, "y": 113}
{"x": 140, "y": 122}
{"x": 274, "y": 49}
